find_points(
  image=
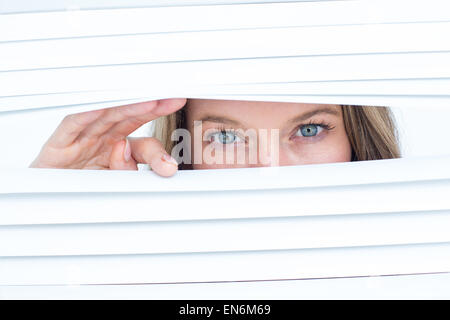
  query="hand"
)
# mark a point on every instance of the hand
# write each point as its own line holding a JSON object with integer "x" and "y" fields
{"x": 98, "y": 140}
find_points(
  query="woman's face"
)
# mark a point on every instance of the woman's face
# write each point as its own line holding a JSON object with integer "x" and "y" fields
{"x": 237, "y": 134}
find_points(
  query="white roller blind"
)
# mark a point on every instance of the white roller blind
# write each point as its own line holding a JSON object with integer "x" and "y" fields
{"x": 386, "y": 217}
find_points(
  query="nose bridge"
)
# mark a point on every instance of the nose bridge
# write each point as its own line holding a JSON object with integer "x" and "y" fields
{"x": 268, "y": 148}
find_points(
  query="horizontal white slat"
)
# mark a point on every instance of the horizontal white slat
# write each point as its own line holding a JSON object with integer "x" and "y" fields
{"x": 231, "y": 266}
{"x": 27, "y": 6}
{"x": 388, "y": 171}
{"x": 234, "y": 44}
{"x": 225, "y": 235}
{"x": 207, "y": 73}
{"x": 436, "y": 102}
{"x": 107, "y": 207}
{"x": 56, "y": 196}
{"x": 87, "y": 23}
{"x": 417, "y": 286}
{"x": 414, "y": 91}
{"x": 393, "y": 101}
{"x": 380, "y": 87}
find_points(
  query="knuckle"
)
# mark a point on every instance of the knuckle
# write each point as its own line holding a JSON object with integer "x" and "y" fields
{"x": 72, "y": 118}
{"x": 106, "y": 121}
{"x": 152, "y": 149}
{"x": 68, "y": 118}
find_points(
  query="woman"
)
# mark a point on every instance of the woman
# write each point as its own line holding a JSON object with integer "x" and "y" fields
{"x": 214, "y": 130}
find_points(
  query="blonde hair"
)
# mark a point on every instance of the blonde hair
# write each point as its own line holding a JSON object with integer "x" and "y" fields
{"x": 371, "y": 131}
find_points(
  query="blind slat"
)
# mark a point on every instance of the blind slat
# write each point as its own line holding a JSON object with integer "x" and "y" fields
{"x": 404, "y": 185}
{"x": 205, "y": 74}
{"x": 426, "y": 286}
{"x": 313, "y": 232}
{"x": 85, "y": 23}
{"x": 235, "y": 44}
{"x": 265, "y": 178}
{"x": 231, "y": 266}
{"x": 402, "y": 92}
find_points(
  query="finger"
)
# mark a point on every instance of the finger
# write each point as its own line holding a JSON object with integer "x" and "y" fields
{"x": 151, "y": 151}
{"x": 168, "y": 106}
{"x": 71, "y": 126}
{"x": 121, "y": 158}
{"x": 134, "y": 116}
{"x": 126, "y": 127}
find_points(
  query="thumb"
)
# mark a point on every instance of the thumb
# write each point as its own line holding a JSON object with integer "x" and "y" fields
{"x": 121, "y": 158}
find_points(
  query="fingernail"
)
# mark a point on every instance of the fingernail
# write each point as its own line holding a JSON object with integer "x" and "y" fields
{"x": 127, "y": 152}
{"x": 169, "y": 159}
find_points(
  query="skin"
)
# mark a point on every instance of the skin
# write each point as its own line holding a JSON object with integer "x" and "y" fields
{"x": 326, "y": 146}
{"x": 98, "y": 139}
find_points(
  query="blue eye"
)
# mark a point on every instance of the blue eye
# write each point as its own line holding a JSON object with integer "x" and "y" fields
{"x": 309, "y": 130}
{"x": 225, "y": 137}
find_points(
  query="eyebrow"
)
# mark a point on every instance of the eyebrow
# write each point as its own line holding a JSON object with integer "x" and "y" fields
{"x": 312, "y": 113}
{"x": 302, "y": 117}
{"x": 220, "y": 119}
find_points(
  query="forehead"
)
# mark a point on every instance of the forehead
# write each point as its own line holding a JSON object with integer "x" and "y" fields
{"x": 251, "y": 112}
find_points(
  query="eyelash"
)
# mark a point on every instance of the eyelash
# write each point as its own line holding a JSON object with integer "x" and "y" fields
{"x": 325, "y": 125}
{"x": 321, "y": 124}
{"x": 222, "y": 128}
